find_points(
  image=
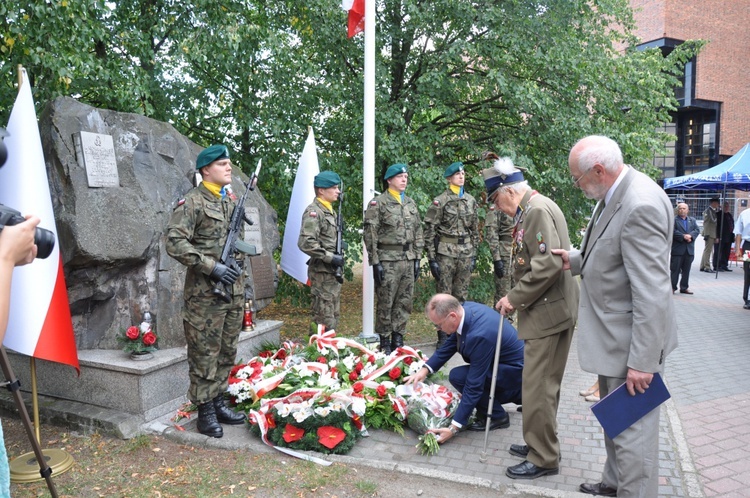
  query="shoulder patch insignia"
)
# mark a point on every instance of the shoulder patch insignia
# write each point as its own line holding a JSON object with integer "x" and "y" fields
{"x": 180, "y": 202}
{"x": 373, "y": 202}
{"x": 313, "y": 214}
{"x": 436, "y": 202}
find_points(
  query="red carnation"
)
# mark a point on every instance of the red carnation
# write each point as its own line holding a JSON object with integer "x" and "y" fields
{"x": 371, "y": 358}
{"x": 408, "y": 360}
{"x": 149, "y": 339}
{"x": 133, "y": 333}
{"x": 359, "y": 367}
{"x": 322, "y": 359}
{"x": 265, "y": 354}
{"x": 358, "y": 387}
{"x": 330, "y": 436}
{"x": 381, "y": 390}
{"x": 235, "y": 369}
{"x": 395, "y": 373}
{"x": 292, "y": 433}
{"x": 281, "y": 354}
{"x": 353, "y": 375}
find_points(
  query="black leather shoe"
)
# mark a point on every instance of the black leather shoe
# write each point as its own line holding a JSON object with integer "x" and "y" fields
{"x": 726, "y": 268}
{"x": 207, "y": 423}
{"x": 747, "y": 305}
{"x": 527, "y": 470}
{"x": 224, "y": 415}
{"x": 519, "y": 450}
{"x": 599, "y": 489}
{"x": 495, "y": 423}
{"x": 686, "y": 291}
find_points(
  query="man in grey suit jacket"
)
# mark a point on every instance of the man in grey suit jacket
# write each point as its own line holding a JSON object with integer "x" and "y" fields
{"x": 625, "y": 320}
{"x": 683, "y": 248}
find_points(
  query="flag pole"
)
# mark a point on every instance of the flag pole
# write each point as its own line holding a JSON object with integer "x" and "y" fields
{"x": 368, "y": 172}
{"x": 26, "y": 467}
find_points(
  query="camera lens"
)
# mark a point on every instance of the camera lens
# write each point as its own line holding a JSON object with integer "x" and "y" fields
{"x": 45, "y": 242}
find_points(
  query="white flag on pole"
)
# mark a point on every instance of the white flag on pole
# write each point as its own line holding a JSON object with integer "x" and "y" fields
{"x": 294, "y": 261}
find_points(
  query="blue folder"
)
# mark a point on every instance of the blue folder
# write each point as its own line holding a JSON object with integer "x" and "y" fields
{"x": 619, "y": 410}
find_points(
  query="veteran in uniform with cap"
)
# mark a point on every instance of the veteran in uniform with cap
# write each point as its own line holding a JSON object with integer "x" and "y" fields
{"x": 317, "y": 239}
{"x": 394, "y": 241}
{"x": 451, "y": 232}
{"x": 195, "y": 237}
{"x": 546, "y": 300}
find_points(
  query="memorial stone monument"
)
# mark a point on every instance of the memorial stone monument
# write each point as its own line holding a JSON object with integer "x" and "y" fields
{"x": 115, "y": 179}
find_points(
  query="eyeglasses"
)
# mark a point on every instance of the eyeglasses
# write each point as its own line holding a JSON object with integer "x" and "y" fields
{"x": 439, "y": 325}
{"x": 576, "y": 181}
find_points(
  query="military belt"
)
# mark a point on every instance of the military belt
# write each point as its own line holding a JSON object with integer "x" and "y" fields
{"x": 455, "y": 240}
{"x": 394, "y": 247}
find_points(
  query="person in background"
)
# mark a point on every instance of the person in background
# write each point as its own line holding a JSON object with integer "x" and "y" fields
{"x": 196, "y": 235}
{"x": 742, "y": 245}
{"x": 472, "y": 330}
{"x": 451, "y": 233}
{"x": 394, "y": 240}
{"x": 710, "y": 234}
{"x": 546, "y": 300}
{"x": 727, "y": 238}
{"x": 626, "y": 325}
{"x": 317, "y": 238}
{"x": 17, "y": 248}
{"x": 683, "y": 248}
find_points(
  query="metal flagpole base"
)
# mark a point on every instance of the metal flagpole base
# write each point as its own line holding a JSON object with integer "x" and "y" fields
{"x": 369, "y": 338}
{"x": 25, "y": 468}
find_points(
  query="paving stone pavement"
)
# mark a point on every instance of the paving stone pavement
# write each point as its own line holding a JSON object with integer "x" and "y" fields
{"x": 704, "y": 444}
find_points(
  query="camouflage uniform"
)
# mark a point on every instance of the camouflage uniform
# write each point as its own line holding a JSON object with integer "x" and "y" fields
{"x": 317, "y": 239}
{"x": 498, "y": 228}
{"x": 393, "y": 237}
{"x": 452, "y": 236}
{"x": 195, "y": 237}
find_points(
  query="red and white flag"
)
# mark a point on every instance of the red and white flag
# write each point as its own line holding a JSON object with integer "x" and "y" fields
{"x": 356, "y": 9}
{"x": 293, "y": 260}
{"x": 39, "y": 323}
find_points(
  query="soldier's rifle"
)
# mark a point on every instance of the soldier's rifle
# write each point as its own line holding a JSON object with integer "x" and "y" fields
{"x": 233, "y": 244}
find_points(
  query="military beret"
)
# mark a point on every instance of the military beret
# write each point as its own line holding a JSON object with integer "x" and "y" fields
{"x": 326, "y": 179}
{"x": 394, "y": 170}
{"x": 211, "y": 154}
{"x": 453, "y": 169}
{"x": 494, "y": 179}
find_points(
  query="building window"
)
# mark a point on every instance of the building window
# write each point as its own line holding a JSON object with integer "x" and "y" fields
{"x": 666, "y": 163}
{"x": 698, "y": 141}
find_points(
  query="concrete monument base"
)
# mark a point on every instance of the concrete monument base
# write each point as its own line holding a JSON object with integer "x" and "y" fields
{"x": 115, "y": 394}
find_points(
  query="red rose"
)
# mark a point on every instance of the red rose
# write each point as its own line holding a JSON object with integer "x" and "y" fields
{"x": 371, "y": 358}
{"x": 133, "y": 333}
{"x": 353, "y": 375}
{"x": 381, "y": 390}
{"x": 357, "y": 387}
{"x": 408, "y": 360}
{"x": 149, "y": 339}
{"x": 322, "y": 359}
{"x": 395, "y": 373}
{"x": 359, "y": 366}
{"x": 265, "y": 354}
{"x": 281, "y": 354}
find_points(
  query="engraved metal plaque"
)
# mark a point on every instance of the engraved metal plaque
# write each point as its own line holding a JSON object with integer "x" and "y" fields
{"x": 262, "y": 270}
{"x": 252, "y": 232}
{"x": 96, "y": 153}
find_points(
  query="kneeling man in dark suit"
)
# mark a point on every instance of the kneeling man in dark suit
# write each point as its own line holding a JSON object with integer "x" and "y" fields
{"x": 472, "y": 330}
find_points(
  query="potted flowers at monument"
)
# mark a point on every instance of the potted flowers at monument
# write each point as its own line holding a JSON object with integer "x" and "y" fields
{"x": 139, "y": 341}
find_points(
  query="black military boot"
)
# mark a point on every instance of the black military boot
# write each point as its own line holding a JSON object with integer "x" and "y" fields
{"x": 385, "y": 344}
{"x": 224, "y": 415}
{"x": 397, "y": 340}
{"x": 207, "y": 423}
{"x": 442, "y": 337}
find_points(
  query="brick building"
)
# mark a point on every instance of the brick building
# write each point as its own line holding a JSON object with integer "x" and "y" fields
{"x": 713, "y": 120}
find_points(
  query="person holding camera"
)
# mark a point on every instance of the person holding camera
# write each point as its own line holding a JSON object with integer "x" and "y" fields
{"x": 17, "y": 248}
{"x": 195, "y": 237}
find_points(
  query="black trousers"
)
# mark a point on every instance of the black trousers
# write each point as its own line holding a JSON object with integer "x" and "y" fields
{"x": 681, "y": 264}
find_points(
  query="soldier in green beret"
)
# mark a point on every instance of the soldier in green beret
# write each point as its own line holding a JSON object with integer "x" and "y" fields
{"x": 317, "y": 239}
{"x": 451, "y": 232}
{"x": 394, "y": 241}
{"x": 195, "y": 237}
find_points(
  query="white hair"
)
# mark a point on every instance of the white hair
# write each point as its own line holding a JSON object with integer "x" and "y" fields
{"x": 599, "y": 149}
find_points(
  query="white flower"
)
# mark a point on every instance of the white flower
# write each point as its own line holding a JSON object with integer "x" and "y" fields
{"x": 301, "y": 415}
{"x": 337, "y": 406}
{"x": 359, "y": 406}
{"x": 333, "y": 363}
{"x": 323, "y": 411}
{"x": 349, "y": 362}
{"x": 283, "y": 409}
{"x": 145, "y": 327}
{"x": 415, "y": 366}
{"x": 388, "y": 384}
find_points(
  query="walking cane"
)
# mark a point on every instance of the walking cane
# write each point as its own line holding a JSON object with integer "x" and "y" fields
{"x": 483, "y": 455}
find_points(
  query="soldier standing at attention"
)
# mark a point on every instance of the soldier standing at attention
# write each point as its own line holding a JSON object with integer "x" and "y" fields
{"x": 195, "y": 237}
{"x": 451, "y": 232}
{"x": 317, "y": 239}
{"x": 394, "y": 242}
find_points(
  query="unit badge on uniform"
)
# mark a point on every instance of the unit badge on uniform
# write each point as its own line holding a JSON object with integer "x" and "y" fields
{"x": 540, "y": 241}
{"x": 313, "y": 214}
{"x": 373, "y": 203}
{"x": 542, "y": 248}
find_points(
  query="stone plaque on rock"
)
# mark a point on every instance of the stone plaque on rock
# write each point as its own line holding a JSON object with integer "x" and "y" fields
{"x": 96, "y": 153}
{"x": 252, "y": 232}
{"x": 263, "y": 276}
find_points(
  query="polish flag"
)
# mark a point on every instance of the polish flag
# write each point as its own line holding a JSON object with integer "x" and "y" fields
{"x": 356, "y": 9}
{"x": 293, "y": 260}
{"x": 39, "y": 324}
